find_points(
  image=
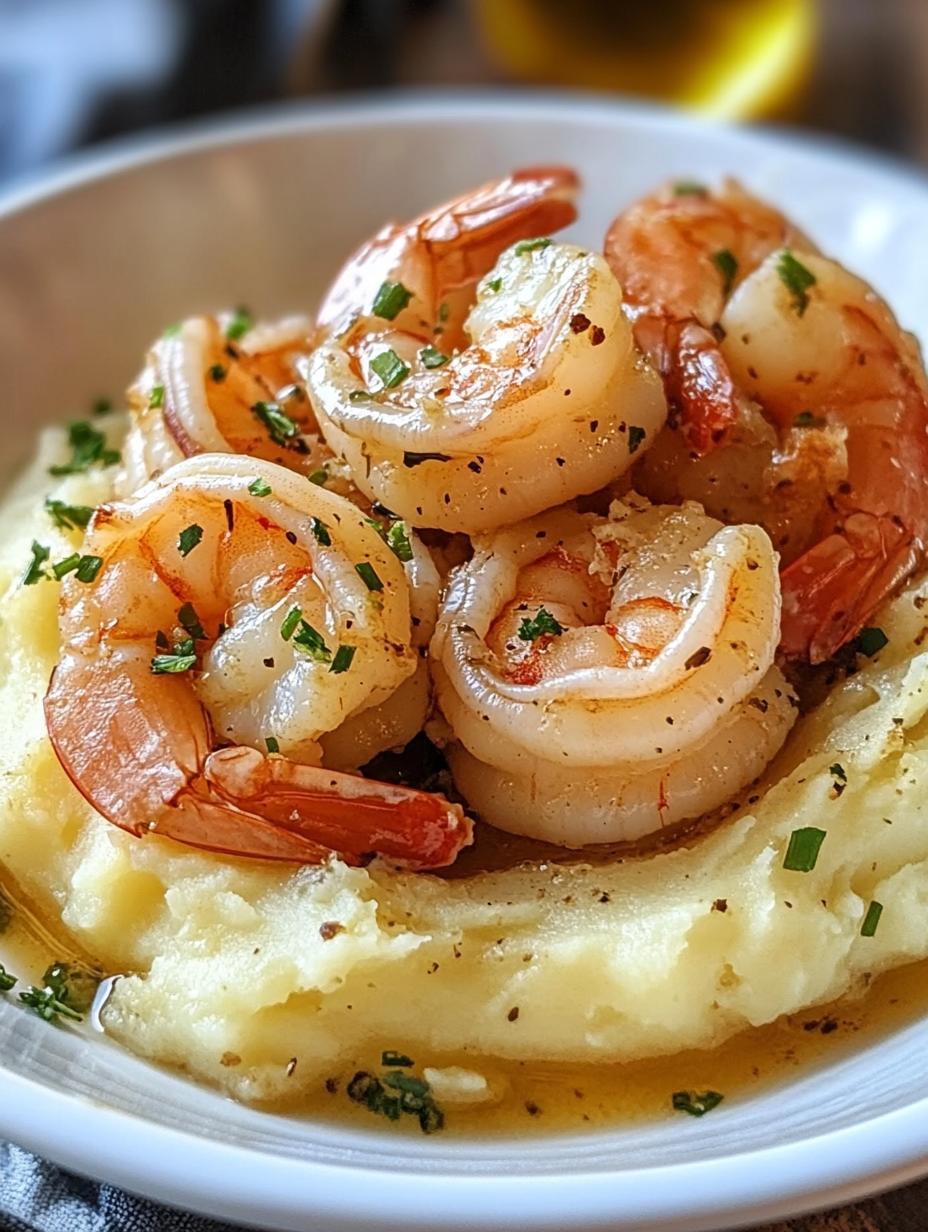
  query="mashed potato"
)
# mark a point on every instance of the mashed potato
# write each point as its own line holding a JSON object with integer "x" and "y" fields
{"x": 231, "y": 977}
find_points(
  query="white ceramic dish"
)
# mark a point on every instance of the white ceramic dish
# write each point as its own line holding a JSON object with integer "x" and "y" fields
{"x": 93, "y": 262}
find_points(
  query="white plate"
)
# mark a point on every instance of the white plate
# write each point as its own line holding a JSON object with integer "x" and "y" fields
{"x": 93, "y": 262}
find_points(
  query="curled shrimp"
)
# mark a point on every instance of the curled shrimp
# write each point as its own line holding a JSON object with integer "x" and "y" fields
{"x": 604, "y": 677}
{"x": 845, "y": 388}
{"x": 465, "y": 394}
{"x": 237, "y": 617}
{"x": 678, "y": 254}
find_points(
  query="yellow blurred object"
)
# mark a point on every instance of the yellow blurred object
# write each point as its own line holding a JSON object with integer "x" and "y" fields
{"x": 726, "y": 58}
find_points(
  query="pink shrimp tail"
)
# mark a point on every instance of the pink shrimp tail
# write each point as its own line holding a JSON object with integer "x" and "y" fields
{"x": 831, "y": 591}
{"x": 700, "y": 387}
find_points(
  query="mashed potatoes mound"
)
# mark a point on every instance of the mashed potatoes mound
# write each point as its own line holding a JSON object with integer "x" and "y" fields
{"x": 230, "y": 974}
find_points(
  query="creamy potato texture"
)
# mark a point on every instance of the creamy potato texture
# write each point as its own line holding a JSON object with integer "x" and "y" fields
{"x": 235, "y": 968}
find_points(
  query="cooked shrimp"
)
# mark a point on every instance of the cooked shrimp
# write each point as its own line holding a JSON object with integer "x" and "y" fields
{"x": 678, "y": 255}
{"x": 236, "y": 618}
{"x": 845, "y": 388}
{"x": 604, "y": 677}
{"x": 465, "y": 415}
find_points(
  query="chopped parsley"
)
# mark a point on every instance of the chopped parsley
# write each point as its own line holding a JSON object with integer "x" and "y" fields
{"x": 870, "y": 641}
{"x": 241, "y": 322}
{"x": 6, "y": 980}
{"x": 444, "y": 311}
{"x": 35, "y": 571}
{"x": 360, "y": 395}
{"x": 190, "y": 622}
{"x": 156, "y": 397}
{"x": 394, "y": 1093}
{"x": 290, "y": 622}
{"x": 101, "y": 406}
{"x": 390, "y": 300}
{"x": 68, "y": 517}
{"x": 87, "y": 447}
{"x": 44, "y": 1003}
{"x": 635, "y": 436}
{"x": 397, "y": 538}
{"x": 871, "y": 919}
{"x": 171, "y": 331}
{"x": 63, "y": 567}
{"x": 431, "y": 357}
{"x": 320, "y": 478}
{"x": 690, "y": 188}
{"x": 696, "y": 1103}
{"x": 803, "y": 849}
{"x": 416, "y": 459}
{"x": 321, "y": 533}
{"x": 259, "y": 487}
{"x": 797, "y": 280}
{"x": 85, "y": 568}
{"x": 494, "y": 284}
{"x": 542, "y": 624}
{"x": 368, "y": 575}
{"x": 181, "y": 660}
{"x": 390, "y": 368}
{"x": 311, "y": 642}
{"x": 217, "y": 372}
{"x": 280, "y": 427}
{"x": 727, "y": 264}
{"x": 73, "y": 984}
{"x": 389, "y": 1057}
{"x": 272, "y": 743}
{"x": 525, "y": 246}
{"x": 343, "y": 659}
{"x": 807, "y": 419}
{"x": 189, "y": 538}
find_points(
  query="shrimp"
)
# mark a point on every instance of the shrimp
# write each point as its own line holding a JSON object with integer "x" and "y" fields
{"x": 602, "y": 677}
{"x": 537, "y": 393}
{"x": 236, "y": 617}
{"x": 845, "y": 388}
{"x": 678, "y": 255}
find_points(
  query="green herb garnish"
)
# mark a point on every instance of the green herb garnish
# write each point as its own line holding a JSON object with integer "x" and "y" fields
{"x": 272, "y": 744}
{"x": 797, "y": 280}
{"x": 87, "y": 447}
{"x": 871, "y": 919}
{"x": 397, "y": 538}
{"x": 311, "y": 641}
{"x": 525, "y": 246}
{"x": 188, "y": 539}
{"x": 172, "y": 330}
{"x": 321, "y": 533}
{"x": 396, "y": 1058}
{"x": 190, "y": 621}
{"x": 343, "y": 659}
{"x": 542, "y": 624}
{"x": 6, "y": 980}
{"x": 68, "y": 517}
{"x": 35, "y": 571}
{"x": 73, "y": 984}
{"x": 368, "y": 575}
{"x": 241, "y": 322}
{"x": 727, "y": 264}
{"x": 280, "y": 427}
{"x": 63, "y": 567}
{"x": 696, "y": 1103}
{"x": 181, "y": 660}
{"x": 390, "y": 300}
{"x": 217, "y": 372}
{"x": 494, "y": 285}
{"x": 806, "y": 419}
{"x": 320, "y": 478}
{"x": 431, "y": 357}
{"x": 44, "y": 1003}
{"x": 413, "y": 1096}
{"x": 690, "y": 188}
{"x": 101, "y": 406}
{"x": 259, "y": 487}
{"x": 156, "y": 397}
{"x": 870, "y": 641}
{"x": 803, "y": 849}
{"x": 390, "y": 368}
{"x": 85, "y": 568}
{"x": 360, "y": 395}
{"x": 291, "y": 620}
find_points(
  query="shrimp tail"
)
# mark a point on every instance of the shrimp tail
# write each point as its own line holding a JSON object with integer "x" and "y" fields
{"x": 699, "y": 385}
{"x": 831, "y": 591}
{"x": 355, "y": 817}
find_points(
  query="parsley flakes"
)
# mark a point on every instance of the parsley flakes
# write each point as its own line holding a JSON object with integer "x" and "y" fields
{"x": 280, "y": 427}
{"x": 797, "y": 280}
{"x": 368, "y": 575}
{"x": 727, "y": 264}
{"x": 696, "y": 1103}
{"x": 390, "y": 300}
{"x": 189, "y": 538}
{"x": 390, "y": 368}
{"x": 87, "y": 447}
{"x": 321, "y": 533}
{"x": 542, "y": 624}
{"x": 35, "y": 571}
{"x": 241, "y": 322}
{"x": 68, "y": 517}
{"x": 536, "y": 245}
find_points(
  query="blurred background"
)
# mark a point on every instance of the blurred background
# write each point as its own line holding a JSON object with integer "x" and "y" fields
{"x": 73, "y": 72}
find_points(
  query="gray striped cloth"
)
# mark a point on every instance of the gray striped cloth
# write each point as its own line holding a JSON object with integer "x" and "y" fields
{"x": 35, "y": 1196}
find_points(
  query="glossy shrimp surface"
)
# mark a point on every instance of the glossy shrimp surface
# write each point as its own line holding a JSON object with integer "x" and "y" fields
{"x": 603, "y": 677}
{"x": 845, "y": 388}
{"x": 496, "y": 390}
{"x": 678, "y": 255}
{"x": 238, "y": 618}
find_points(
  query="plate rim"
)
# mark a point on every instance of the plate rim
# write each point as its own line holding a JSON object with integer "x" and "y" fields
{"x": 771, "y": 1183}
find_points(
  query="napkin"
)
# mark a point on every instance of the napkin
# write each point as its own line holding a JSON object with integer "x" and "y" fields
{"x": 35, "y": 1196}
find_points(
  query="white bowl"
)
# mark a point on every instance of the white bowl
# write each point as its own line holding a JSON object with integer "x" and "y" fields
{"x": 93, "y": 262}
